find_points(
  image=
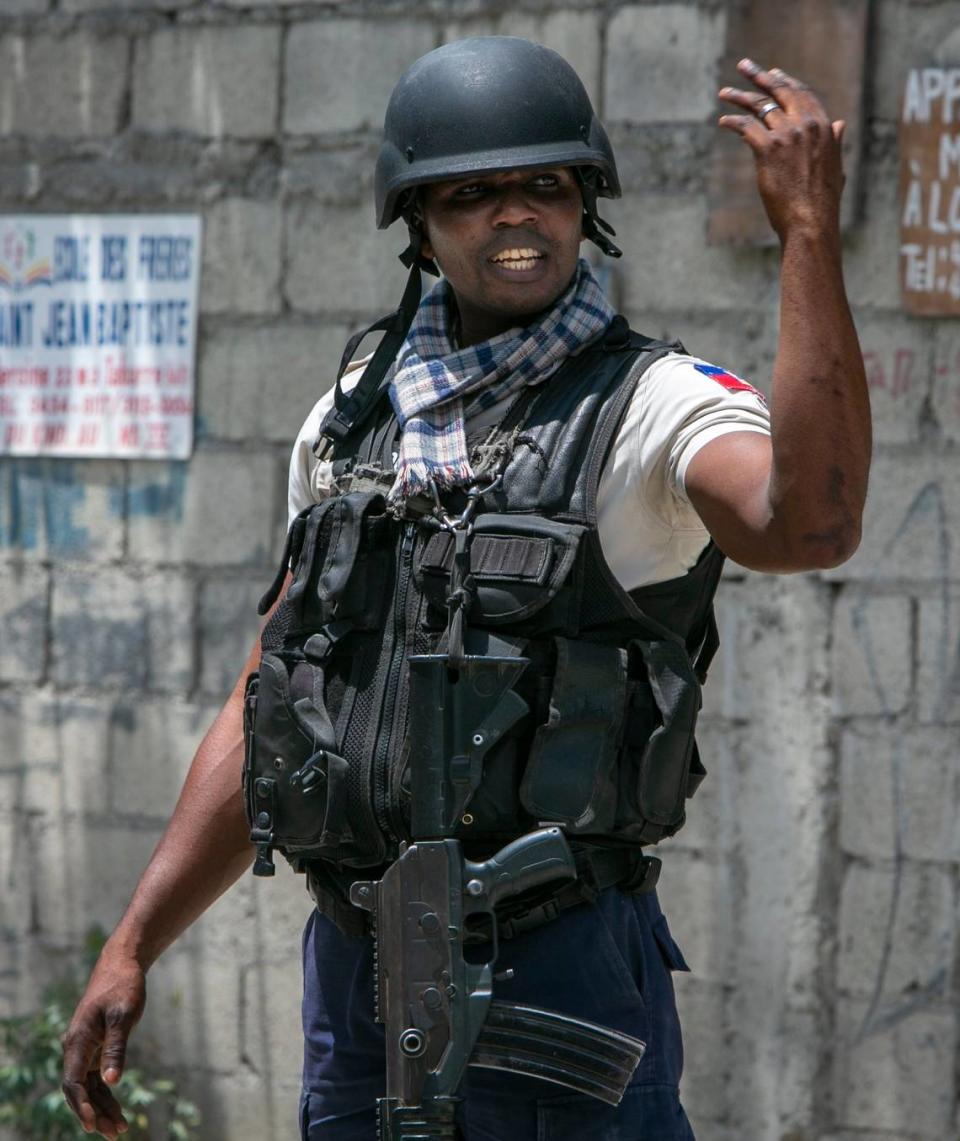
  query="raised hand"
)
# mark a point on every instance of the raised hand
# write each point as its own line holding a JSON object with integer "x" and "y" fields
{"x": 796, "y": 146}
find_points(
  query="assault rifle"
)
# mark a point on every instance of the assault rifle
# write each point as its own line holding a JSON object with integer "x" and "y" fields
{"x": 437, "y": 1007}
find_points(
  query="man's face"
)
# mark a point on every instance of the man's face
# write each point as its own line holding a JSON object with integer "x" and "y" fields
{"x": 508, "y": 243}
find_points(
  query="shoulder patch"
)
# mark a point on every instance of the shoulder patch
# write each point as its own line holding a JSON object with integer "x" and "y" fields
{"x": 730, "y": 382}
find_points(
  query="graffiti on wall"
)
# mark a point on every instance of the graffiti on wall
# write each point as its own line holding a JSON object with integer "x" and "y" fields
{"x": 49, "y": 507}
{"x": 926, "y": 514}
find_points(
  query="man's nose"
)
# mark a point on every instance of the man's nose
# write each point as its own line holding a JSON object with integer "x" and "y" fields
{"x": 514, "y": 208}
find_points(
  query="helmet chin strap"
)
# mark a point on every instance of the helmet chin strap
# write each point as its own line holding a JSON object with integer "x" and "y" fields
{"x": 411, "y": 256}
{"x": 594, "y": 227}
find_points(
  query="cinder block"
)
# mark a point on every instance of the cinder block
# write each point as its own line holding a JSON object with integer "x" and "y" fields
{"x": 237, "y": 1106}
{"x": 896, "y": 934}
{"x": 222, "y": 516}
{"x": 150, "y": 747}
{"x": 707, "y": 1077}
{"x": 211, "y": 81}
{"x": 16, "y": 867}
{"x": 773, "y": 672}
{"x": 331, "y": 173}
{"x": 794, "y": 1094}
{"x": 257, "y": 921}
{"x": 333, "y": 81}
{"x": 669, "y": 158}
{"x": 338, "y": 262}
{"x": 116, "y": 629}
{"x": 261, "y": 383}
{"x": 21, "y": 181}
{"x": 773, "y": 1055}
{"x": 898, "y": 787}
{"x": 71, "y": 733}
{"x": 192, "y": 1013}
{"x": 773, "y": 639}
{"x": 79, "y": 753}
{"x": 25, "y": 7}
{"x": 871, "y": 256}
{"x": 785, "y": 766}
{"x": 69, "y": 86}
{"x": 95, "y": 5}
{"x": 241, "y": 257}
{"x": 668, "y": 265}
{"x": 82, "y": 874}
{"x": 912, "y": 514}
{"x": 574, "y": 35}
{"x": 712, "y": 826}
{"x": 53, "y": 752}
{"x": 228, "y": 626}
{"x": 871, "y": 658}
{"x": 900, "y": 1080}
{"x": 903, "y": 42}
{"x": 23, "y": 622}
{"x": 859, "y": 1135}
{"x": 938, "y": 657}
{"x": 62, "y": 509}
{"x": 270, "y": 1012}
{"x": 946, "y": 379}
{"x": 897, "y": 355}
{"x": 697, "y": 895}
{"x": 662, "y": 63}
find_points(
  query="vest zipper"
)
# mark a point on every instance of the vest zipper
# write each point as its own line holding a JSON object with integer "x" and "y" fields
{"x": 391, "y": 686}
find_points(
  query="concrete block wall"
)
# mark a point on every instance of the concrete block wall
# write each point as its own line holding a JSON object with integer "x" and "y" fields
{"x": 815, "y": 888}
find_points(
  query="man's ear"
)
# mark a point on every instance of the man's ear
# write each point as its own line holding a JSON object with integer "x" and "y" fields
{"x": 426, "y": 249}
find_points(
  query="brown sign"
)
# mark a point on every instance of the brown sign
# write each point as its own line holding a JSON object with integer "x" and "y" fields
{"x": 930, "y": 192}
{"x": 822, "y": 42}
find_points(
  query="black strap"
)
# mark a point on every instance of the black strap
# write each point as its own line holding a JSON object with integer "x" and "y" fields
{"x": 348, "y": 411}
{"x": 594, "y": 227}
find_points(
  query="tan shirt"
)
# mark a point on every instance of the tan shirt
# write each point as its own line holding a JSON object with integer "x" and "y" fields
{"x": 648, "y": 528}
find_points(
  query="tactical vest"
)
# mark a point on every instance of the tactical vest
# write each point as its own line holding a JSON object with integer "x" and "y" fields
{"x": 597, "y": 730}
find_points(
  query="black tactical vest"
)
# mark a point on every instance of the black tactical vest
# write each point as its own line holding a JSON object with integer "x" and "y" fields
{"x": 597, "y": 734}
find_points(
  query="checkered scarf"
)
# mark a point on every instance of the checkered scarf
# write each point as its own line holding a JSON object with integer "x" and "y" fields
{"x": 432, "y": 378}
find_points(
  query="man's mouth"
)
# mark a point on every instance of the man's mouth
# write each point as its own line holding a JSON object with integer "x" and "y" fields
{"x": 519, "y": 259}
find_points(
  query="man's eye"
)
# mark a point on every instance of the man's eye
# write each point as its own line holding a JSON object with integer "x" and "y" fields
{"x": 469, "y": 190}
{"x": 545, "y": 180}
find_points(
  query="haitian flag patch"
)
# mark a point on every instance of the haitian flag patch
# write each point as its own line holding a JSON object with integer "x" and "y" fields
{"x": 730, "y": 382}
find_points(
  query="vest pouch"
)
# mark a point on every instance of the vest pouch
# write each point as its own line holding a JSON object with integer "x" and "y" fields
{"x": 344, "y": 559}
{"x": 519, "y": 565}
{"x": 571, "y": 774}
{"x": 467, "y": 749}
{"x": 660, "y": 770}
{"x": 316, "y": 809}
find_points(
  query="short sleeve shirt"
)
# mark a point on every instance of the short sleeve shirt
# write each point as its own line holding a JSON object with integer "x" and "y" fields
{"x": 649, "y": 530}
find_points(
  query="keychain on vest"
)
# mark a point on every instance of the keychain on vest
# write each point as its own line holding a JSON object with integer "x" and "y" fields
{"x": 461, "y": 580}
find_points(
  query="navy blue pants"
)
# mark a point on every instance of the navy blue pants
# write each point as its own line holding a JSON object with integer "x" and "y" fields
{"x": 608, "y": 961}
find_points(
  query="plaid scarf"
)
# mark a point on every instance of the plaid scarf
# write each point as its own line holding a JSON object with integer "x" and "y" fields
{"x": 432, "y": 377}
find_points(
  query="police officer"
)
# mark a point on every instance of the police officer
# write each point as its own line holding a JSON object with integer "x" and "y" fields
{"x": 495, "y": 161}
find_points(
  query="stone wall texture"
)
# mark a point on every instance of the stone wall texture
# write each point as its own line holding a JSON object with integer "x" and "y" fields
{"x": 815, "y": 889}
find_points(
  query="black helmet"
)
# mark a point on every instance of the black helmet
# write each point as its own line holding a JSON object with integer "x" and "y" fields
{"x": 485, "y": 104}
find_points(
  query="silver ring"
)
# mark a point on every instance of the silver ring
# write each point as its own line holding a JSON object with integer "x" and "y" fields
{"x": 766, "y": 109}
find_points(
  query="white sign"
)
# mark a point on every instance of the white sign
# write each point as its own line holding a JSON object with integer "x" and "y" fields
{"x": 98, "y": 323}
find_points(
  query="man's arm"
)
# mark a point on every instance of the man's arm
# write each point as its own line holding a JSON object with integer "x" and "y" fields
{"x": 204, "y": 849}
{"x": 794, "y": 501}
